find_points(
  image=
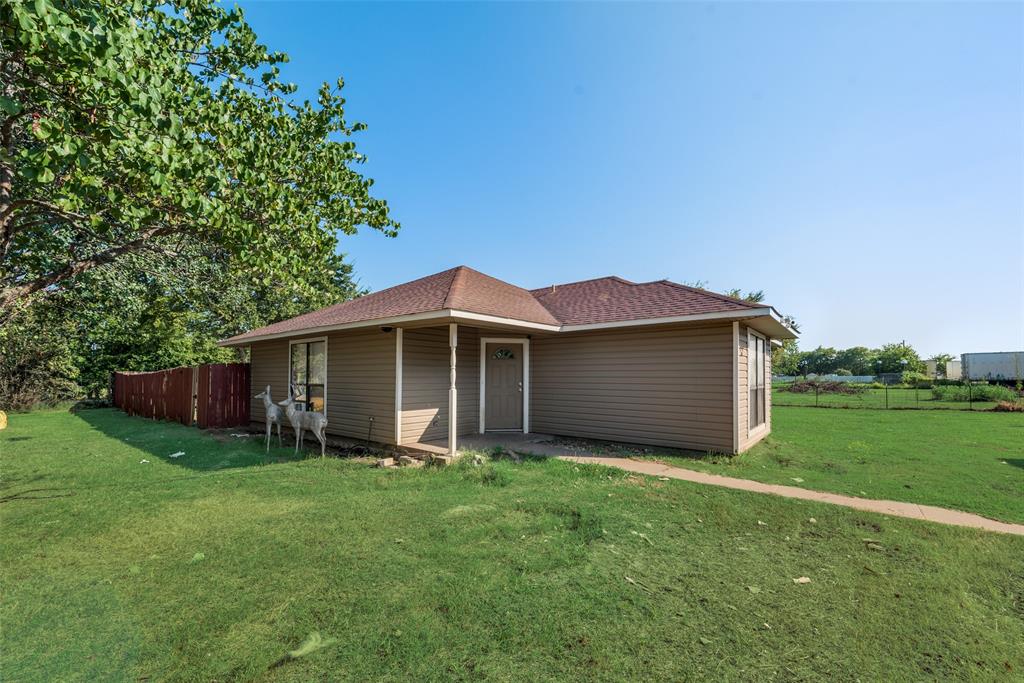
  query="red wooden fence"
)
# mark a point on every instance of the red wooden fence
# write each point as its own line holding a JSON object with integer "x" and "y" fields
{"x": 211, "y": 395}
{"x": 222, "y": 395}
{"x": 161, "y": 395}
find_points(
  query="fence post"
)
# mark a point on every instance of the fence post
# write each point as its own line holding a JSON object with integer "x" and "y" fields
{"x": 886, "y": 396}
{"x": 815, "y": 395}
{"x": 970, "y": 395}
{"x": 194, "y": 384}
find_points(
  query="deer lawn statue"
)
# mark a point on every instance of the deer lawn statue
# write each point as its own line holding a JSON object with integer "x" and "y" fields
{"x": 274, "y": 415}
{"x": 302, "y": 420}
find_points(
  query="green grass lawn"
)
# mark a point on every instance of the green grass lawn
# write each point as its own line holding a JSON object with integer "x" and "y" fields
{"x": 898, "y": 398}
{"x": 961, "y": 460}
{"x": 214, "y": 565}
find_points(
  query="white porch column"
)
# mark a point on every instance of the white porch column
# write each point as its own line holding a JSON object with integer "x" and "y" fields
{"x": 398, "y": 386}
{"x": 453, "y": 402}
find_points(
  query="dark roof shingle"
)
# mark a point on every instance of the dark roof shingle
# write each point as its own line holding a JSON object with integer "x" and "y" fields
{"x": 458, "y": 288}
{"x": 612, "y": 299}
{"x": 603, "y": 300}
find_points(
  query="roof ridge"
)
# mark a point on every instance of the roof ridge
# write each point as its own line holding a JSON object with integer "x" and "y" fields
{"x": 701, "y": 290}
{"x": 379, "y": 291}
{"x": 580, "y": 282}
{"x": 460, "y": 290}
{"x": 456, "y": 277}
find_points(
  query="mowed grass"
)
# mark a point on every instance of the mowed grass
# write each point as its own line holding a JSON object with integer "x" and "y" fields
{"x": 214, "y": 565}
{"x": 961, "y": 460}
{"x": 899, "y": 398}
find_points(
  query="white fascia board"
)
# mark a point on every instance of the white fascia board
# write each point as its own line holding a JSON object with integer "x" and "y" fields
{"x": 695, "y": 317}
{"x": 498, "y": 320}
{"x": 378, "y": 322}
{"x": 444, "y": 315}
{"x": 772, "y": 325}
{"x": 777, "y": 330}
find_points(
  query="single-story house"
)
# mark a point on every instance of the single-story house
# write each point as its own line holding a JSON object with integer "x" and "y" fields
{"x": 460, "y": 352}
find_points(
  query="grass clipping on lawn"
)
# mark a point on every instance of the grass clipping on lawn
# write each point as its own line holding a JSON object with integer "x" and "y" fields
{"x": 314, "y": 642}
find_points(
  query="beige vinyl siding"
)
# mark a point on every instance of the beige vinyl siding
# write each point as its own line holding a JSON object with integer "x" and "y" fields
{"x": 467, "y": 380}
{"x": 670, "y": 386}
{"x": 360, "y": 381}
{"x": 268, "y": 364}
{"x": 361, "y": 384}
{"x": 746, "y": 439}
{"x": 425, "y": 379}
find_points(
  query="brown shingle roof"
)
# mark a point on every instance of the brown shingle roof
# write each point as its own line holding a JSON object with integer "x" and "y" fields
{"x": 607, "y": 299}
{"x": 612, "y": 299}
{"x": 460, "y": 288}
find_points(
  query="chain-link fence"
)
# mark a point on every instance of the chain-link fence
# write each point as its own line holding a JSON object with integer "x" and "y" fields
{"x": 925, "y": 395}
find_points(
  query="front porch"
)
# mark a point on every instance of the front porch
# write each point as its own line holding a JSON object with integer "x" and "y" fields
{"x": 457, "y": 383}
{"x": 514, "y": 442}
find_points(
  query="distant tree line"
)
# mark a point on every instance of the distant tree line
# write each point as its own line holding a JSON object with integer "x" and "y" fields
{"x": 856, "y": 360}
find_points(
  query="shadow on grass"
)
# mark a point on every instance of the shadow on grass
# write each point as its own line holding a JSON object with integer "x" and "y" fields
{"x": 1016, "y": 462}
{"x": 203, "y": 450}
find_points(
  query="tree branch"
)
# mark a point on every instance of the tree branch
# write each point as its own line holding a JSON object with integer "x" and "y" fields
{"x": 66, "y": 216}
{"x": 10, "y": 295}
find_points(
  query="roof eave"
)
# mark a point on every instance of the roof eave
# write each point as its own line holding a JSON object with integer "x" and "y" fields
{"x": 772, "y": 324}
{"x": 436, "y": 317}
{"x": 765, "y": 319}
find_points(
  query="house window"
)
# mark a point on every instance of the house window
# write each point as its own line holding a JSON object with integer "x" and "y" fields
{"x": 504, "y": 354}
{"x": 756, "y": 379}
{"x": 308, "y": 374}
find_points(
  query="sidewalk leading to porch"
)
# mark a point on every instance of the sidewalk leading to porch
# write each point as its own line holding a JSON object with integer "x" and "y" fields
{"x": 543, "y": 444}
{"x": 927, "y": 513}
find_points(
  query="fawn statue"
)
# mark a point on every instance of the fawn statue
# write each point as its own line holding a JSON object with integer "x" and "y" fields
{"x": 302, "y": 420}
{"x": 274, "y": 415}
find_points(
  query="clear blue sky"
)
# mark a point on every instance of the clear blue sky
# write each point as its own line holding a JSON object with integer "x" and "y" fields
{"x": 862, "y": 163}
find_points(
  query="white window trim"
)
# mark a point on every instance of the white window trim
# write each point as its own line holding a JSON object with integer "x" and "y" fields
{"x": 750, "y": 375}
{"x": 525, "y": 342}
{"x": 288, "y": 364}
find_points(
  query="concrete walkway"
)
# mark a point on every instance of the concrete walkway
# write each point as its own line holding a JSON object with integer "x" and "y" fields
{"x": 927, "y": 513}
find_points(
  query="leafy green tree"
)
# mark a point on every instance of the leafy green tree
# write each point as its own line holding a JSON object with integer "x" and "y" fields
{"x": 859, "y": 360}
{"x": 753, "y": 297}
{"x": 37, "y": 361}
{"x": 940, "y": 362}
{"x": 786, "y": 358}
{"x": 820, "y": 361}
{"x": 147, "y": 314}
{"x": 856, "y": 360}
{"x": 162, "y": 129}
{"x": 891, "y": 357}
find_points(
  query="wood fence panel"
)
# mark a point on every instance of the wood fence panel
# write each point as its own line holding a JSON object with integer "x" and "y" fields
{"x": 223, "y": 395}
{"x": 203, "y": 396}
{"x": 161, "y": 395}
{"x": 215, "y": 395}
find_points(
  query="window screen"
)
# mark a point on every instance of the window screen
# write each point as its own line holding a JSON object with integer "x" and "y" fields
{"x": 308, "y": 374}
